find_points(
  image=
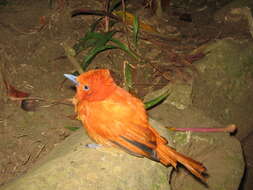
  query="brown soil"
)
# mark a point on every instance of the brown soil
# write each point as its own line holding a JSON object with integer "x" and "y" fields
{"x": 33, "y": 60}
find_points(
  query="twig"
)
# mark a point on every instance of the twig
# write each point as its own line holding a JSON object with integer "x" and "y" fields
{"x": 27, "y": 160}
{"x": 39, "y": 152}
{"x": 156, "y": 68}
{"x": 27, "y": 98}
{"x": 93, "y": 12}
{"x": 107, "y": 18}
{"x": 55, "y": 103}
{"x": 23, "y": 135}
{"x": 228, "y": 129}
{"x": 52, "y": 102}
{"x": 124, "y": 23}
{"x": 70, "y": 53}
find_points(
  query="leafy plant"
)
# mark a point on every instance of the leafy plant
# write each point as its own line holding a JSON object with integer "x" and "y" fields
{"x": 96, "y": 42}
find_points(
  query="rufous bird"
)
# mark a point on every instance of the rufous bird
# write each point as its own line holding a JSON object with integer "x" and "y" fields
{"x": 114, "y": 117}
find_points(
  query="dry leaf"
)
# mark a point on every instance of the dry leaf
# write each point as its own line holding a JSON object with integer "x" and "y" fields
{"x": 13, "y": 93}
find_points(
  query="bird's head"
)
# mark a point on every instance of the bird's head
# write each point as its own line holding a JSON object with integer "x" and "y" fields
{"x": 94, "y": 85}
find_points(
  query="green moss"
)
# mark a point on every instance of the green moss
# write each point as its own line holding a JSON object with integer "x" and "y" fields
{"x": 162, "y": 183}
{"x": 181, "y": 138}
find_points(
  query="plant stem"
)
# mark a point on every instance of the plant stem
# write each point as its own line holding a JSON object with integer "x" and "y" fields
{"x": 70, "y": 53}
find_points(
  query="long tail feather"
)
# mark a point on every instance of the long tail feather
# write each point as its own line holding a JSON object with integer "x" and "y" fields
{"x": 168, "y": 156}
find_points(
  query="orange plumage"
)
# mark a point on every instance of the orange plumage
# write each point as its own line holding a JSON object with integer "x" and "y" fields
{"x": 114, "y": 117}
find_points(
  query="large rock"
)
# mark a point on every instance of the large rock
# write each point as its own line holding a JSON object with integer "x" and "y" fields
{"x": 223, "y": 90}
{"x": 224, "y": 86}
{"x": 71, "y": 165}
{"x": 220, "y": 153}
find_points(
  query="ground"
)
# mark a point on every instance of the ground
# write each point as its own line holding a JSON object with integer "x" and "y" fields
{"x": 33, "y": 60}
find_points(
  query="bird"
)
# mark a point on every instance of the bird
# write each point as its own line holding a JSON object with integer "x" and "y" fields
{"x": 113, "y": 117}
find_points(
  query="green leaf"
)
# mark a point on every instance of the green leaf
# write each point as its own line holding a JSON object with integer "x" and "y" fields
{"x": 84, "y": 43}
{"x": 114, "y": 5}
{"x": 92, "y": 54}
{"x": 156, "y": 101}
{"x": 135, "y": 30}
{"x": 128, "y": 76}
{"x": 124, "y": 48}
{"x": 93, "y": 39}
{"x": 72, "y": 128}
{"x": 103, "y": 38}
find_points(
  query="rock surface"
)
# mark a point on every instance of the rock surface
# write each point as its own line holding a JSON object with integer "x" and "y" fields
{"x": 223, "y": 88}
{"x": 71, "y": 165}
{"x": 219, "y": 152}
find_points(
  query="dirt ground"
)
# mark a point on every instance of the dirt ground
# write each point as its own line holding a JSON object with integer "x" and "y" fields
{"x": 33, "y": 60}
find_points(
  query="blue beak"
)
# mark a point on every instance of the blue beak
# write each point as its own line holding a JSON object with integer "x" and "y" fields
{"x": 72, "y": 78}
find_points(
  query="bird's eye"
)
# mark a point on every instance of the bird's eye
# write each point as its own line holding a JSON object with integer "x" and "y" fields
{"x": 85, "y": 87}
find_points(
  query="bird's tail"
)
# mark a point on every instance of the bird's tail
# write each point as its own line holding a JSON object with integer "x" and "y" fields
{"x": 169, "y": 156}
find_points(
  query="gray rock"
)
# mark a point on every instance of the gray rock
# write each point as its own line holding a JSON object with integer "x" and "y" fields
{"x": 224, "y": 87}
{"x": 221, "y": 94}
{"x": 232, "y": 12}
{"x": 220, "y": 153}
{"x": 72, "y": 166}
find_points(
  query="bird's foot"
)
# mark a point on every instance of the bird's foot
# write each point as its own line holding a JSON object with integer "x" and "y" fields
{"x": 94, "y": 145}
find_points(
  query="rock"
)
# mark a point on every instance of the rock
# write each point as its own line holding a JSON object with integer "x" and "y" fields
{"x": 223, "y": 87}
{"x": 71, "y": 165}
{"x": 222, "y": 156}
{"x": 222, "y": 94}
{"x": 231, "y": 12}
{"x": 222, "y": 91}
{"x": 220, "y": 153}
